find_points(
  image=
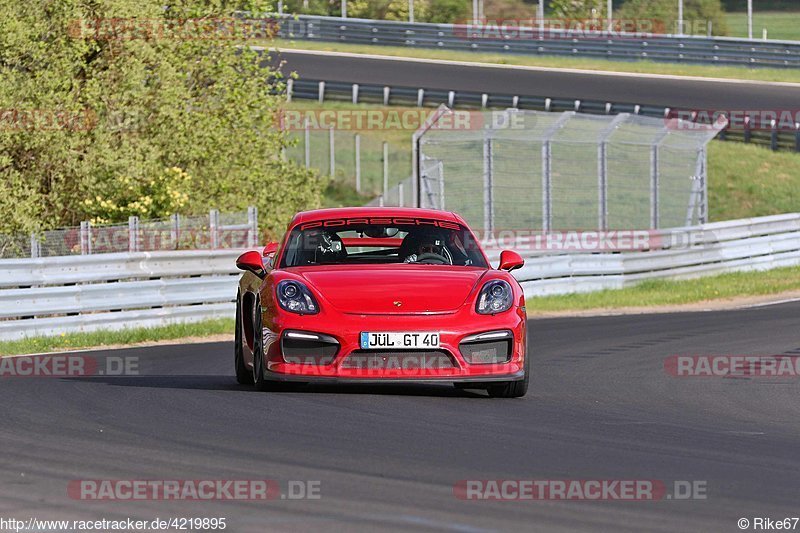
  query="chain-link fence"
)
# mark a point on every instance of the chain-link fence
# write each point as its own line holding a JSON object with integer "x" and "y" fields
{"x": 366, "y": 162}
{"x": 549, "y": 171}
{"x": 213, "y": 231}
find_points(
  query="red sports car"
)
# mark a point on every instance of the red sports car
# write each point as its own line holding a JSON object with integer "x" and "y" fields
{"x": 381, "y": 295}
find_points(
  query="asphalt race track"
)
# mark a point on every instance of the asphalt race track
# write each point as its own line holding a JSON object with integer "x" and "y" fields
{"x": 601, "y": 407}
{"x": 642, "y": 90}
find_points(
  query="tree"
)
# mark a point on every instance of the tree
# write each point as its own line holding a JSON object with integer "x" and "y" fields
{"x": 139, "y": 108}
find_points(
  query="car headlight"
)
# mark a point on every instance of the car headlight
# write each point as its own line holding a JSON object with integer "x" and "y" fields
{"x": 295, "y": 297}
{"x": 495, "y": 297}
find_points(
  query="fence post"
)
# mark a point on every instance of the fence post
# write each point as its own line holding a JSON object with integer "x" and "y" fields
{"x": 332, "y": 150}
{"x": 86, "y": 237}
{"x": 654, "y": 187}
{"x": 357, "y": 142}
{"x": 488, "y": 185}
{"x": 321, "y": 94}
{"x": 35, "y": 249}
{"x": 602, "y": 186}
{"x": 307, "y": 143}
{"x": 175, "y": 229}
{"x": 547, "y": 214}
{"x": 252, "y": 230}
{"x": 385, "y": 168}
{"x": 213, "y": 227}
{"x": 400, "y": 194}
{"x": 133, "y": 234}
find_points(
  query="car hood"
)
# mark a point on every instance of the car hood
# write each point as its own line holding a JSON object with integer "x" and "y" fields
{"x": 393, "y": 289}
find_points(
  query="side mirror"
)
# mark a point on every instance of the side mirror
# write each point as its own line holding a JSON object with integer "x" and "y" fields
{"x": 270, "y": 249}
{"x": 251, "y": 262}
{"x": 510, "y": 260}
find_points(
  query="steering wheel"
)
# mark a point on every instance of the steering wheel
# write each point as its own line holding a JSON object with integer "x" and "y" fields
{"x": 432, "y": 259}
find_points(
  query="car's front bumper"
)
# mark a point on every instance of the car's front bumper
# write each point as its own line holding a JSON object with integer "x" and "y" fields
{"x": 346, "y": 330}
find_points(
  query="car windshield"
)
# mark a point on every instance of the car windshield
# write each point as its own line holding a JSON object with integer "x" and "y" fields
{"x": 385, "y": 240}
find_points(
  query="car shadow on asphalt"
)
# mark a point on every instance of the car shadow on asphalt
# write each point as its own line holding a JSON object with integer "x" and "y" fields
{"x": 228, "y": 383}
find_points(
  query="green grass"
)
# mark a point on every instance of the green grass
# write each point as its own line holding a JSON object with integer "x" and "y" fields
{"x": 660, "y": 293}
{"x": 72, "y": 341}
{"x": 781, "y": 25}
{"x": 749, "y": 181}
{"x": 643, "y": 67}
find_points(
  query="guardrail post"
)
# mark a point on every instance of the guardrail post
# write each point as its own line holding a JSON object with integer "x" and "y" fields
{"x": 420, "y": 97}
{"x": 773, "y": 138}
{"x": 289, "y": 89}
{"x": 252, "y": 230}
{"x": 332, "y": 150}
{"x": 133, "y": 234}
{"x": 747, "y": 132}
{"x": 357, "y": 142}
{"x": 797, "y": 137}
{"x": 386, "y": 92}
{"x": 321, "y": 92}
{"x": 355, "y": 93}
{"x": 213, "y": 228}
{"x": 35, "y": 248}
{"x": 175, "y": 230}
{"x": 86, "y": 237}
{"x": 451, "y": 98}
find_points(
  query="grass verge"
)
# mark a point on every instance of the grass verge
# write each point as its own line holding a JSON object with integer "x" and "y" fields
{"x": 72, "y": 341}
{"x": 641, "y": 67}
{"x": 781, "y": 25}
{"x": 669, "y": 292}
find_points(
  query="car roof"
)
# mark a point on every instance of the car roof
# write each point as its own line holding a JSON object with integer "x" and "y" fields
{"x": 350, "y": 212}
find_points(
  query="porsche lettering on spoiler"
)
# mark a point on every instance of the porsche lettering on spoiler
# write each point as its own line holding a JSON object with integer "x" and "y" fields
{"x": 394, "y": 221}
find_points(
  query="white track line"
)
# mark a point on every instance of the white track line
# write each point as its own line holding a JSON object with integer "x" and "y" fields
{"x": 537, "y": 69}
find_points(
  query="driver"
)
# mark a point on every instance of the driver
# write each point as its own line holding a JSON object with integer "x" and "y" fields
{"x": 426, "y": 243}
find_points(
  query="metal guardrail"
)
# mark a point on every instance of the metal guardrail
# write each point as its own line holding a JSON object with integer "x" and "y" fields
{"x": 740, "y": 245}
{"x": 321, "y": 90}
{"x": 530, "y": 41}
{"x": 54, "y": 295}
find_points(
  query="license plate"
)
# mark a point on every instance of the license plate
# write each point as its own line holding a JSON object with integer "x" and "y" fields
{"x": 398, "y": 340}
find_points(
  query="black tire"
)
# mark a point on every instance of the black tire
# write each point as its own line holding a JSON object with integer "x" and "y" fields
{"x": 512, "y": 389}
{"x": 258, "y": 352}
{"x": 243, "y": 374}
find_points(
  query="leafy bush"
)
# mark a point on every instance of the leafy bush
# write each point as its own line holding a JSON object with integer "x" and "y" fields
{"x": 122, "y": 116}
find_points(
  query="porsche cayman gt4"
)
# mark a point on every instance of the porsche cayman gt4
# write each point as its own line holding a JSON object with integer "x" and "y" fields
{"x": 390, "y": 295}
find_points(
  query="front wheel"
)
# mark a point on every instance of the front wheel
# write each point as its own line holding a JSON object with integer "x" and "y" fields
{"x": 512, "y": 389}
{"x": 258, "y": 352}
{"x": 243, "y": 374}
